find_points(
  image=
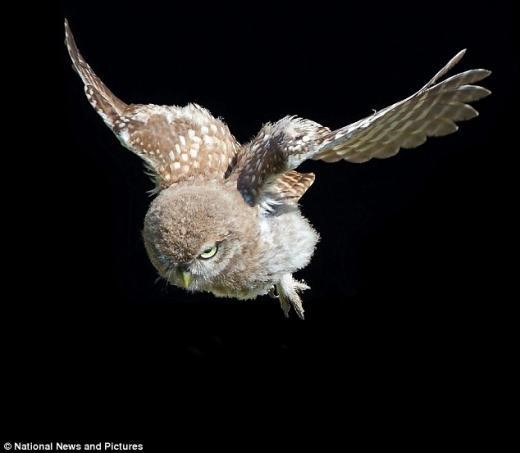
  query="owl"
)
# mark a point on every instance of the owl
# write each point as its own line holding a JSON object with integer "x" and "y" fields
{"x": 225, "y": 218}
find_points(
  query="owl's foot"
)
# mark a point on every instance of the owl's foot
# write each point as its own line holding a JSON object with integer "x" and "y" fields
{"x": 288, "y": 289}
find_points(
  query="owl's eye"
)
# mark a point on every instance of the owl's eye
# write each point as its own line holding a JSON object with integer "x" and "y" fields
{"x": 210, "y": 252}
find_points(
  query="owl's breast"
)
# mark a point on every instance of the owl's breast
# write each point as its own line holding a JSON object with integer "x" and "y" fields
{"x": 287, "y": 242}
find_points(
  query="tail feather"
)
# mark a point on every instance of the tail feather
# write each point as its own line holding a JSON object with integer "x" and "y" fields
{"x": 108, "y": 106}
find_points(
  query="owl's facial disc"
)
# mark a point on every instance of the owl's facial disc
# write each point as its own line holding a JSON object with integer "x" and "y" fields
{"x": 193, "y": 232}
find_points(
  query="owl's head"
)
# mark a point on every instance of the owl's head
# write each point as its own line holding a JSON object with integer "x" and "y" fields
{"x": 194, "y": 231}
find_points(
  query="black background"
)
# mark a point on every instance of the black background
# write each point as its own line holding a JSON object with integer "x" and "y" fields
{"x": 401, "y": 277}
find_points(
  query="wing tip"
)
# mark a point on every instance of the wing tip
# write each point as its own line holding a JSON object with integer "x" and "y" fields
{"x": 485, "y": 92}
{"x": 458, "y": 56}
{"x": 455, "y": 60}
{"x": 478, "y": 75}
{"x": 70, "y": 43}
{"x": 68, "y": 32}
{"x": 445, "y": 69}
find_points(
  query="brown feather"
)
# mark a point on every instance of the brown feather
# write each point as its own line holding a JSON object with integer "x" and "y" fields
{"x": 291, "y": 186}
{"x": 177, "y": 143}
{"x": 100, "y": 97}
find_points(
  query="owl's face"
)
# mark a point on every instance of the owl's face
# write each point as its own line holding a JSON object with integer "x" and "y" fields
{"x": 193, "y": 233}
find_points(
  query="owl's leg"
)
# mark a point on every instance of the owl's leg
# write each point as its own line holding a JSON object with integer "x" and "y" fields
{"x": 288, "y": 289}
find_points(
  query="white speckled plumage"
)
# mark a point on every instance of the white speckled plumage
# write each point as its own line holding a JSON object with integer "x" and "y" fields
{"x": 226, "y": 218}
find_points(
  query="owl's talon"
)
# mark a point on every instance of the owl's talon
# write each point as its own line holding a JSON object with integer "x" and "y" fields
{"x": 286, "y": 307}
{"x": 288, "y": 289}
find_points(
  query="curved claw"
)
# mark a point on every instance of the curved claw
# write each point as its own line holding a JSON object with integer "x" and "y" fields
{"x": 288, "y": 289}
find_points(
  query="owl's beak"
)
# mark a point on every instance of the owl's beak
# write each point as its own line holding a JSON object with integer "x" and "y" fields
{"x": 186, "y": 278}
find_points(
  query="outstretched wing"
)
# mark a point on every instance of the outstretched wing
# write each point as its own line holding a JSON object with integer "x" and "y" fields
{"x": 432, "y": 111}
{"x": 105, "y": 103}
{"x": 177, "y": 143}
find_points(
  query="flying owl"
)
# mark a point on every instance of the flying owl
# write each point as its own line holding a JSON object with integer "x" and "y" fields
{"x": 226, "y": 218}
